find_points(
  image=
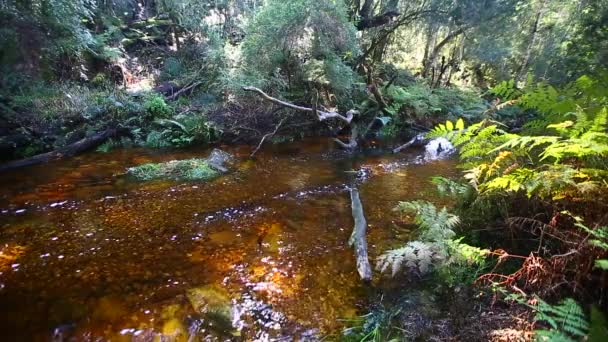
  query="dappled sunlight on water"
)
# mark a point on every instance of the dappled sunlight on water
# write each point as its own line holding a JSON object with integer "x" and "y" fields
{"x": 261, "y": 252}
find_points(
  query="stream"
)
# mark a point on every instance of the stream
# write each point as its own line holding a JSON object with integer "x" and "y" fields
{"x": 88, "y": 254}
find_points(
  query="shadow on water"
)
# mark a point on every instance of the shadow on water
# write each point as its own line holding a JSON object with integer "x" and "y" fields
{"x": 87, "y": 253}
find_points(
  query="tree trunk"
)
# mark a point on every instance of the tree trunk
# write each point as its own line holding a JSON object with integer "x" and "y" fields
{"x": 455, "y": 61}
{"x": 67, "y": 151}
{"x": 432, "y": 58}
{"x": 431, "y": 38}
{"x": 521, "y": 75}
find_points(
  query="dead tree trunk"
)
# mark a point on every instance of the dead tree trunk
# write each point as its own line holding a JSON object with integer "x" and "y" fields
{"x": 67, "y": 151}
{"x": 357, "y": 239}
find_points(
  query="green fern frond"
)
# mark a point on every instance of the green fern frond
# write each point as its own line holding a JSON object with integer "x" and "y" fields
{"x": 547, "y": 181}
{"x": 450, "y": 187}
{"x": 588, "y": 145}
{"x": 435, "y": 231}
{"x": 526, "y": 143}
{"x": 506, "y": 90}
{"x": 435, "y": 225}
{"x": 552, "y": 336}
{"x": 566, "y": 319}
{"x": 416, "y": 256}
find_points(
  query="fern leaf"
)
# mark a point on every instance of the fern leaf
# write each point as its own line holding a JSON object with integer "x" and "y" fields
{"x": 567, "y": 319}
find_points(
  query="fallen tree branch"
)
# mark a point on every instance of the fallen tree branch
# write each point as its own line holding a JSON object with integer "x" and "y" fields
{"x": 357, "y": 239}
{"x": 183, "y": 90}
{"x": 266, "y": 136}
{"x": 67, "y": 151}
{"x": 321, "y": 115}
{"x": 416, "y": 141}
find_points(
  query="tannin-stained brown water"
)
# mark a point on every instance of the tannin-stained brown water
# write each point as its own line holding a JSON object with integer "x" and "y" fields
{"x": 87, "y": 253}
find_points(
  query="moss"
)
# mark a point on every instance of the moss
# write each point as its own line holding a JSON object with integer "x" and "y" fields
{"x": 189, "y": 169}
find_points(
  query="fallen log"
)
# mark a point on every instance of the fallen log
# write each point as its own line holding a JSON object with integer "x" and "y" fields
{"x": 357, "y": 239}
{"x": 67, "y": 151}
{"x": 418, "y": 140}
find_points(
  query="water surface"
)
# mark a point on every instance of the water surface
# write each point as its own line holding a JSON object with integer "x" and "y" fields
{"x": 88, "y": 254}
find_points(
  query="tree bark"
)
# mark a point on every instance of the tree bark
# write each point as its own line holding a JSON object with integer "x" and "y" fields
{"x": 533, "y": 37}
{"x": 67, "y": 151}
{"x": 431, "y": 38}
{"x": 357, "y": 239}
{"x": 430, "y": 62}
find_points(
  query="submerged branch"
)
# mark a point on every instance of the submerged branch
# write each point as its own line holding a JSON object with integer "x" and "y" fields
{"x": 357, "y": 239}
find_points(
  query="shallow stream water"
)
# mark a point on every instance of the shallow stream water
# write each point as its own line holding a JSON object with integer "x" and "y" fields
{"x": 88, "y": 254}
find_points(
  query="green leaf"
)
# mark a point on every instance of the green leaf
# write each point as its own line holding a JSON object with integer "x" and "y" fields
{"x": 449, "y": 125}
{"x": 460, "y": 124}
{"x": 602, "y": 264}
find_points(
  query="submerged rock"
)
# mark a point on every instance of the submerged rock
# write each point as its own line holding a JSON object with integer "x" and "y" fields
{"x": 220, "y": 160}
{"x": 438, "y": 148}
{"x": 213, "y": 303}
{"x": 217, "y": 163}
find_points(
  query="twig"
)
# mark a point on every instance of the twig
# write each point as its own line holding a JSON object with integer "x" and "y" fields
{"x": 267, "y": 135}
{"x": 321, "y": 115}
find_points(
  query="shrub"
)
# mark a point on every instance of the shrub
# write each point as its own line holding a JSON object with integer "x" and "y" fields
{"x": 420, "y": 104}
{"x": 284, "y": 35}
{"x": 182, "y": 130}
{"x": 172, "y": 68}
{"x": 156, "y": 107}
